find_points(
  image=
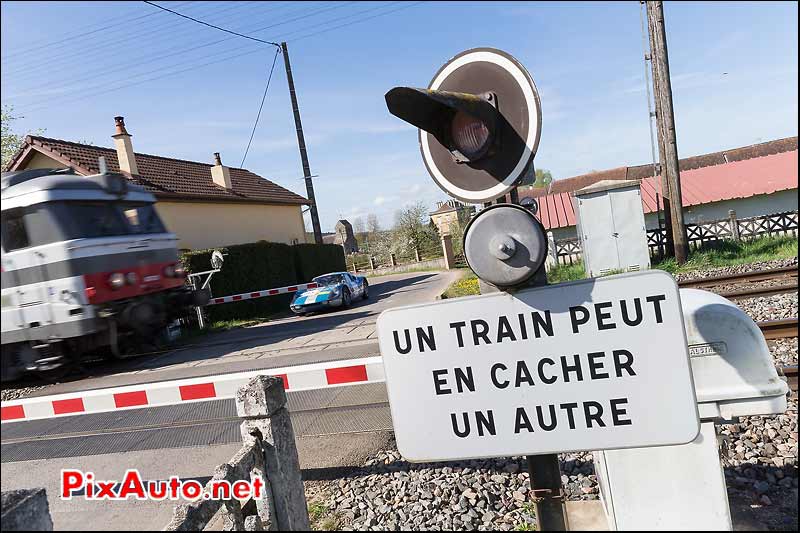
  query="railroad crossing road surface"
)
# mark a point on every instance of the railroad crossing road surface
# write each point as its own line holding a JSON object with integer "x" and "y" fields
{"x": 330, "y": 336}
{"x": 336, "y": 427}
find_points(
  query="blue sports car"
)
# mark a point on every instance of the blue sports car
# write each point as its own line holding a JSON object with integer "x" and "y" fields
{"x": 337, "y": 289}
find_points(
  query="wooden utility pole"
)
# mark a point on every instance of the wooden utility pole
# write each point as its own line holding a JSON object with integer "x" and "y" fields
{"x": 665, "y": 196}
{"x": 301, "y": 142}
{"x": 665, "y": 119}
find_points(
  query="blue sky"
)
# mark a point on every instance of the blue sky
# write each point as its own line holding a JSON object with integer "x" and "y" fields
{"x": 734, "y": 72}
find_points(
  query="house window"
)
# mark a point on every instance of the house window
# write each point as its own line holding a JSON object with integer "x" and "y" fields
{"x": 15, "y": 236}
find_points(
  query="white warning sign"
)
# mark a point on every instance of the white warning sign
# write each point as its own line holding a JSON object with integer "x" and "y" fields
{"x": 589, "y": 365}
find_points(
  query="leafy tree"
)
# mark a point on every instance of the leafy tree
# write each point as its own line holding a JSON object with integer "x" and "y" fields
{"x": 10, "y": 141}
{"x": 543, "y": 178}
{"x": 412, "y": 231}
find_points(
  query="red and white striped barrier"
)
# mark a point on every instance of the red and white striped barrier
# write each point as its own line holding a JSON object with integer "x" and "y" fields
{"x": 314, "y": 376}
{"x": 261, "y": 294}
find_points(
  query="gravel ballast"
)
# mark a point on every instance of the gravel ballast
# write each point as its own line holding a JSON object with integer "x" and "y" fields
{"x": 759, "y": 456}
{"x": 736, "y": 269}
{"x": 775, "y": 307}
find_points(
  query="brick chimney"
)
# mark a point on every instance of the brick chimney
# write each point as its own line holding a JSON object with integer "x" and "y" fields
{"x": 122, "y": 142}
{"x": 220, "y": 173}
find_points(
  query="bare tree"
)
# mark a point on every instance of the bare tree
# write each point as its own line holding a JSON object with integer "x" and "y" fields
{"x": 373, "y": 225}
{"x": 359, "y": 226}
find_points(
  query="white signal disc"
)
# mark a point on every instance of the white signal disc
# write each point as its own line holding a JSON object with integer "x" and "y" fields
{"x": 531, "y": 142}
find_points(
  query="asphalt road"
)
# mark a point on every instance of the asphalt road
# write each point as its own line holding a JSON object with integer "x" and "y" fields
{"x": 329, "y": 336}
{"x": 335, "y": 427}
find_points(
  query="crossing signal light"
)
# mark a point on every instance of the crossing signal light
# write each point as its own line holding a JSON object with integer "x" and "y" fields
{"x": 479, "y": 123}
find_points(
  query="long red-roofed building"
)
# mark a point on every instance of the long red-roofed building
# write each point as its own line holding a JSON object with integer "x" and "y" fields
{"x": 753, "y": 180}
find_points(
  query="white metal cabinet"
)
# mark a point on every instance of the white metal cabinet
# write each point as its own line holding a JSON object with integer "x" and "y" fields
{"x": 611, "y": 227}
{"x": 682, "y": 488}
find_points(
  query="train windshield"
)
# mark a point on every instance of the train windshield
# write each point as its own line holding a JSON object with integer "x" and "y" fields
{"x": 101, "y": 219}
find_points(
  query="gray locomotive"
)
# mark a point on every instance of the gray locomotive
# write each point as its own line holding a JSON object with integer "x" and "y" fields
{"x": 87, "y": 267}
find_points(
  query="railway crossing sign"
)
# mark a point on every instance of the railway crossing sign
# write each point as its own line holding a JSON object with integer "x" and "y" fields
{"x": 479, "y": 123}
{"x": 588, "y": 365}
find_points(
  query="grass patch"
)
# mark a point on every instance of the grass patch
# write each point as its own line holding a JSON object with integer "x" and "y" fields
{"x": 712, "y": 255}
{"x": 560, "y": 273}
{"x": 731, "y": 253}
{"x": 233, "y": 323}
{"x": 466, "y": 286}
{"x": 322, "y": 518}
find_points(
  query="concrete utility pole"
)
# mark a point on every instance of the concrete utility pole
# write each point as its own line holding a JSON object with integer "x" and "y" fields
{"x": 665, "y": 119}
{"x": 301, "y": 142}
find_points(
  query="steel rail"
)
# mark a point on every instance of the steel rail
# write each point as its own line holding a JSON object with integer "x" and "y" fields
{"x": 759, "y": 292}
{"x": 779, "y": 329}
{"x": 790, "y": 372}
{"x": 745, "y": 277}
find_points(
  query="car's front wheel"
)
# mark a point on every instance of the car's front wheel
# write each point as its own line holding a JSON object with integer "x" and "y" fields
{"x": 365, "y": 295}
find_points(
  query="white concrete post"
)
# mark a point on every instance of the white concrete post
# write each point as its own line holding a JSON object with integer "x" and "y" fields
{"x": 447, "y": 248}
{"x": 734, "y": 225}
{"x": 262, "y": 405}
{"x": 552, "y": 252}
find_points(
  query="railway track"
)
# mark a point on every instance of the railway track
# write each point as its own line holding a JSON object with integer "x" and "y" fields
{"x": 779, "y": 329}
{"x": 759, "y": 292}
{"x": 786, "y": 273}
{"x": 791, "y": 376}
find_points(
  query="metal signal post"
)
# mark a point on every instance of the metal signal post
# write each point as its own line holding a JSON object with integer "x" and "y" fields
{"x": 479, "y": 126}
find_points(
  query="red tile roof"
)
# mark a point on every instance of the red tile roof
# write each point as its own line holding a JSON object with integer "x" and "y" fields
{"x": 707, "y": 184}
{"x": 688, "y": 163}
{"x": 165, "y": 177}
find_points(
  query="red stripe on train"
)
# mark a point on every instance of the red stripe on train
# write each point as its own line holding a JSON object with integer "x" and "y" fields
{"x": 99, "y": 291}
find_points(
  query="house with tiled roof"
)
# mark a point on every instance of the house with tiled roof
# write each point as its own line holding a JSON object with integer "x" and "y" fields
{"x": 205, "y": 205}
{"x": 753, "y": 181}
{"x": 449, "y": 213}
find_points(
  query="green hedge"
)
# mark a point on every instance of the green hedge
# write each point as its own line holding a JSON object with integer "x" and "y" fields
{"x": 262, "y": 265}
{"x": 313, "y": 260}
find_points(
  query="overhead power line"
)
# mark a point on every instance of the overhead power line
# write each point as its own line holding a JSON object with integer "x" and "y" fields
{"x": 44, "y": 103}
{"x": 177, "y": 52}
{"x": 103, "y": 70}
{"x": 405, "y": 5}
{"x": 263, "y": 98}
{"x": 64, "y": 59}
{"x": 106, "y": 25}
{"x": 210, "y": 25}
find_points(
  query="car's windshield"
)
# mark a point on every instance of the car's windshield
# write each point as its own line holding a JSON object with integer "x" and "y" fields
{"x": 328, "y": 279}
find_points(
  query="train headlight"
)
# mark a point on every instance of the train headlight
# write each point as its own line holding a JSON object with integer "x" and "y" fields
{"x": 180, "y": 271}
{"x": 116, "y": 280}
{"x": 131, "y": 278}
{"x": 169, "y": 271}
